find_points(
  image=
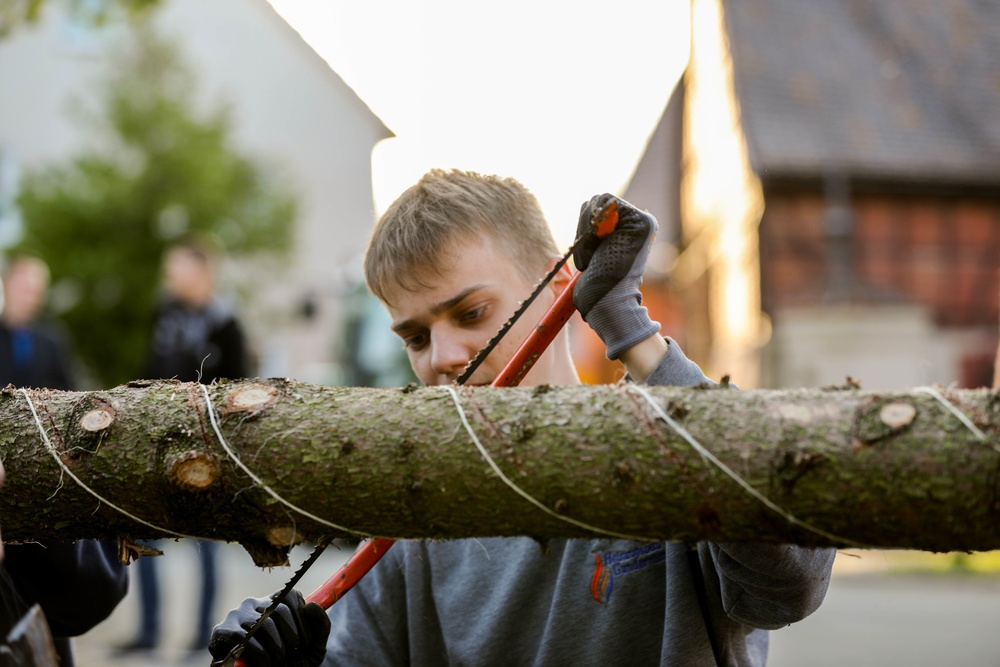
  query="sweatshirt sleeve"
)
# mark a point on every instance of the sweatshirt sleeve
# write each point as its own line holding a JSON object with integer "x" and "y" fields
{"x": 769, "y": 586}
{"x": 77, "y": 584}
{"x": 761, "y": 585}
{"x": 368, "y": 625}
{"x": 676, "y": 370}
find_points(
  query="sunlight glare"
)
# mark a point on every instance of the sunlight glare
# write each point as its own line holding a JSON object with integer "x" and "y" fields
{"x": 562, "y": 97}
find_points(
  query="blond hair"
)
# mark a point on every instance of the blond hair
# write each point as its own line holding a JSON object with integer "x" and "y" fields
{"x": 446, "y": 206}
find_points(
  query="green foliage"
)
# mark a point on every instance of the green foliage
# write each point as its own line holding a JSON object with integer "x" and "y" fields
{"x": 103, "y": 220}
{"x": 14, "y": 13}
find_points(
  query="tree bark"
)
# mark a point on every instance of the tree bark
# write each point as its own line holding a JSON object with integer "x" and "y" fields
{"x": 839, "y": 467}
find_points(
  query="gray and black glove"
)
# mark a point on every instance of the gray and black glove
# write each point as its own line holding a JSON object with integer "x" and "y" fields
{"x": 295, "y": 634}
{"x": 607, "y": 294}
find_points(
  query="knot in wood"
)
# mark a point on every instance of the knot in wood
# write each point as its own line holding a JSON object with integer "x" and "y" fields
{"x": 97, "y": 420}
{"x": 897, "y": 415}
{"x": 678, "y": 409}
{"x": 624, "y": 473}
{"x": 283, "y": 536}
{"x": 193, "y": 471}
{"x": 251, "y": 398}
{"x": 881, "y": 419}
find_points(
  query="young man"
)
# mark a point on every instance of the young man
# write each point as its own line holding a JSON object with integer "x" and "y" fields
{"x": 450, "y": 260}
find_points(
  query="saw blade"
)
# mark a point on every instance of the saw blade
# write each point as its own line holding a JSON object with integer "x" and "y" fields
{"x": 492, "y": 342}
{"x": 603, "y": 221}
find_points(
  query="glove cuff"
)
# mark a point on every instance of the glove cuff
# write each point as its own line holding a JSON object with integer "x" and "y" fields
{"x": 621, "y": 328}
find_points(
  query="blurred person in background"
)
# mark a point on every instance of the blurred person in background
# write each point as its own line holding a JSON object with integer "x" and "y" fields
{"x": 77, "y": 584}
{"x": 32, "y": 353}
{"x": 196, "y": 337}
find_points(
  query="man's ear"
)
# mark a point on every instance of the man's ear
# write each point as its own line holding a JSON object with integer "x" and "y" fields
{"x": 562, "y": 278}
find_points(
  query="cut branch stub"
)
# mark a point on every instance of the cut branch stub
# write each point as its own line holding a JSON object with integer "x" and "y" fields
{"x": 193, "y": 471}
{"x": 284, "y": 536}
{"x": 879, "y": 419}
{"x": 251, "y": 398}
{"x": 897, "y": 415}
{"x": 97, "y": 420}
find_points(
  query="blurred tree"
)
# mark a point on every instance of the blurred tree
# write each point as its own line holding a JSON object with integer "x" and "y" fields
{"x": 19, "y": 12}
{"x": 161, "y": 171}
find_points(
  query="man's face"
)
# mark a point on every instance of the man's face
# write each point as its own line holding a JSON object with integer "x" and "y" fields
{"x": 186, "y": 278}
{"x": 444, "y": 325}
{"x": 24, "y": 292}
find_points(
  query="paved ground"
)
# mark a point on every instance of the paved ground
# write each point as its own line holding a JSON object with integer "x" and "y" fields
{"x": 870, "y": 618}
{"x": 880, "y": 620}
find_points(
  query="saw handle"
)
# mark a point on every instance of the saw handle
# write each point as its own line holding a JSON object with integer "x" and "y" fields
{"x": 551, "y": 323}
{"x": 350, "y": 573}
{"x": 605, "y": 220}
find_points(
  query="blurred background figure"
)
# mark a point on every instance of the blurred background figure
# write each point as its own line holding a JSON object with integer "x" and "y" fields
{"x": 78, "y": 584}
{"x": 32, "y": 353}
{"x": 195, "y": 338}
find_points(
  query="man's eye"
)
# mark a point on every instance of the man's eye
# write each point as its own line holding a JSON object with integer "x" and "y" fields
{"x": 415, "y": 342}
{"x": 472, "y": 315}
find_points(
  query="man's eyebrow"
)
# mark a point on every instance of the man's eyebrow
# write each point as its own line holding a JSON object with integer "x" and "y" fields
{"x": 437, "y": 308}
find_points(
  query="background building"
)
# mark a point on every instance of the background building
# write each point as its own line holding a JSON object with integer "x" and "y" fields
{"x": 834, "y": 181}
{"x": 288, "y": 108}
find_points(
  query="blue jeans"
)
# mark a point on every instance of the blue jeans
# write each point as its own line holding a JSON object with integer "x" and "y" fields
{"x": 150, "y": 621}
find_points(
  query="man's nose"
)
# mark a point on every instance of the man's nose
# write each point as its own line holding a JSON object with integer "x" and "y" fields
{"x": 449, "y": 355}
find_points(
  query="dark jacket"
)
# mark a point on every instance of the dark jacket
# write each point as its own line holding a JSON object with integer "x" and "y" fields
{"x": 77, "y": 584}
{"x": 196, "y": 344}
{"x": 35, "y": 356}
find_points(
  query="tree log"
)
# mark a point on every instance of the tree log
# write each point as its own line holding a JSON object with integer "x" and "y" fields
{"x": 840, "y": 467}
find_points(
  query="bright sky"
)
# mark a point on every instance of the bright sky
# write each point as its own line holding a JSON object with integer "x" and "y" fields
{"x": 560, "y": 95}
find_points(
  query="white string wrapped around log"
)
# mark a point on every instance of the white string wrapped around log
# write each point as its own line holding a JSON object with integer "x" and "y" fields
{"x": 706, "y": 454}
{"x": 521, "y": 492}
{"x": 271, "y": 492}
{"x": 65, "y": 470}
{"x": 961, "y": 416}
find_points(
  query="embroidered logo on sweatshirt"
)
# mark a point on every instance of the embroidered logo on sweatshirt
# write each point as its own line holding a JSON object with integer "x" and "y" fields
{"x": 610, "y": 565}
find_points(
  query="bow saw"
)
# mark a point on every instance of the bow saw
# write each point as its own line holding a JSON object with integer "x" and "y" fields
{"x": 365, "y": 557}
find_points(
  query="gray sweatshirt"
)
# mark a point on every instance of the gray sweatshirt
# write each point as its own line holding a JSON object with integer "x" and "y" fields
{"x": 509, "y": 601}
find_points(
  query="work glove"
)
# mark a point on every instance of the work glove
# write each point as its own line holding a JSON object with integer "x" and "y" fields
{"x": 607, "y": 294}
{"x": 294, "y": 634}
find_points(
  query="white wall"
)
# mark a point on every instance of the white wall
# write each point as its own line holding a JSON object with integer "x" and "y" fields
{"x": 883, "y": 347}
